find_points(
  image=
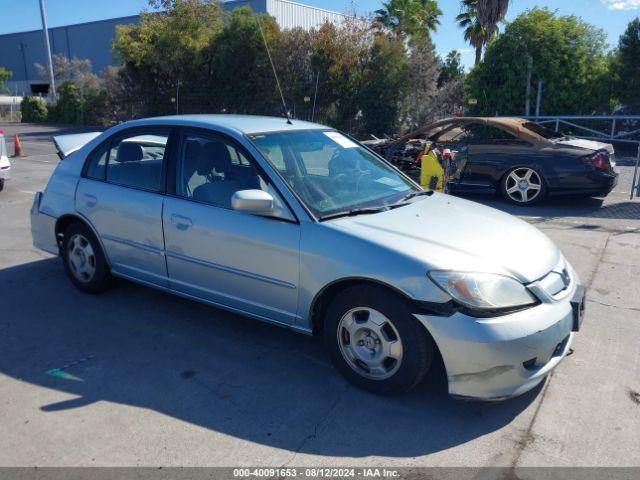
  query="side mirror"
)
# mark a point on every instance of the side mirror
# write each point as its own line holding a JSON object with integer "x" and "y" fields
{"x": 257, "y": 202}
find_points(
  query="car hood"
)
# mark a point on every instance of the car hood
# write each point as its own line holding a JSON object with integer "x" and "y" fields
{"x": 590, "y": 144}
{"x": 450, "y": 233}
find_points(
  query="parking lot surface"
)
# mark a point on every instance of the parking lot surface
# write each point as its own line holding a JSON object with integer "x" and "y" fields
{"x": 139, "y": 377}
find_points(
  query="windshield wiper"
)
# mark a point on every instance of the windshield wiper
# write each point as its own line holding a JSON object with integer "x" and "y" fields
{"x": 420, "y": 193}
{"x": 383, "y": 208}
{"x": 354, "y": 212}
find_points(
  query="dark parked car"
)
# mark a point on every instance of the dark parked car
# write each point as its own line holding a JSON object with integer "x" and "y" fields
{"x": 519, "y": 159}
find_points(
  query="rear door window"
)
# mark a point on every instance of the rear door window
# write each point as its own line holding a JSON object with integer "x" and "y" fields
{"x": 136, "y": 161}
{"x": 132, "y": 159}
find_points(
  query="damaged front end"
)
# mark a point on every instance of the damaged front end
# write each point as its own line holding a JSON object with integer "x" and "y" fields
{"x": 505, "y": 356}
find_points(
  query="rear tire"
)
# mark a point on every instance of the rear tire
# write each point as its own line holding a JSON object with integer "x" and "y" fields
{"x": 374, "y": 340}
{"x": 1, "y": 184}
{"x": 84, "y": 261}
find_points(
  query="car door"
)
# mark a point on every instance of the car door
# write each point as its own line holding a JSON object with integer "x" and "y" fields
{"x": 121, "y": 194}
{"x": 244, "y": 262}
{"x": 490, "y": 151}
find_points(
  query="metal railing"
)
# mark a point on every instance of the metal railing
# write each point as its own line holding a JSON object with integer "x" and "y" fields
{"x": 611, "y": 133}
{"x": 635, "y": 183}
{"x": 595, "y": 131}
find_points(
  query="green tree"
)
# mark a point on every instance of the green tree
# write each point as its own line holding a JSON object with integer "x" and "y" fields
{"x": 298, "y": 78}
{"x": 4, "y": 76}
{"x": 33, "y": 109}
{"x": 452, "y": 68}
{"x": 626, "y": 67}
{"x": 474, "y": 33}
{"x": 385, "y": 80}
{"x": 242, "y": 79}
{"x": 68, "y": 107}
{"x": 411, "y": 19}
{"x": 340, "y": 55}
{"x": 168, "y": 49}
{"x": 568, "y": 55}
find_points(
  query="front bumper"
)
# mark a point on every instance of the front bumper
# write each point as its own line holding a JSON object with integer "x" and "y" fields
{"x": 5, "y": 173}
{"x": 503, "y": 357}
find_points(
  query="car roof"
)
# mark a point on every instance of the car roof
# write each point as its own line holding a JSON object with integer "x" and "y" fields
{"x": 514, "y": 125}
{"x": 245, "y": 124}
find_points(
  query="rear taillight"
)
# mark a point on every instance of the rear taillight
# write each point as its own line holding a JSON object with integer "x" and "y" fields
{"x": 599, "y": 161}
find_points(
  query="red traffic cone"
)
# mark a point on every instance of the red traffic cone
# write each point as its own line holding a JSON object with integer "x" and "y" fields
{"x": 18, "y": 151}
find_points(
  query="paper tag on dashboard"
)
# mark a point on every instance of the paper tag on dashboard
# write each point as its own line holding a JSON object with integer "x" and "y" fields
{"x": 341, "y": 139}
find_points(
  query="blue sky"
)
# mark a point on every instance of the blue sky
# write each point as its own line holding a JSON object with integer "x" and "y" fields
{"x": 610, "y": 15}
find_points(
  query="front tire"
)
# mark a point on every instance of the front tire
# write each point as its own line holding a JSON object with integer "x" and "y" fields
{"x": 1, "y": 184}
{"x": 84, "y": 261}
{"x": 375, "y": 342}
{"x": 523, "y": 186}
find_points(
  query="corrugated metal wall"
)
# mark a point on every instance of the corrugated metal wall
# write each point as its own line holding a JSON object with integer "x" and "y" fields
{"x": 19, "y": 52}
{"x": 291, "y": 15}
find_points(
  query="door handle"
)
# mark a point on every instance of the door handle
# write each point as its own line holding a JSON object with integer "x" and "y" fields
{"x": 90, "y": 200}
{"x": 181, "y": 223}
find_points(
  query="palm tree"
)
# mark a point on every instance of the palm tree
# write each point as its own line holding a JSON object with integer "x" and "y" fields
{"x": 474, "y": 33}
{"x": 490, "y": 12}
{"x": 413, "y": 19}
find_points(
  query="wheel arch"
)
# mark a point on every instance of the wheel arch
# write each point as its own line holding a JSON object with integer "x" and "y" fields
{"x": 63, "y": 222}
{"x": 322, "y": 299}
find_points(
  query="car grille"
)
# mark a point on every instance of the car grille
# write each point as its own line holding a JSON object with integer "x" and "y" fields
{"x": 556, "y": 281}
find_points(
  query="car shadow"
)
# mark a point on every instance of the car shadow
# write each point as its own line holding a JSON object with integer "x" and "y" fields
{"x": 565, "y": 207}
{"x": 144, "y": 348}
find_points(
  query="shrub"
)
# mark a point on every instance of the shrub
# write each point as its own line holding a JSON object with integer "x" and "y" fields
{"x": 68, "y": 108}
{"x": 34, "y": 109}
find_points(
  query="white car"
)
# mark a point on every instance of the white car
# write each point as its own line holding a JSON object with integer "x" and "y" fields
{"x": 5, "y": 165}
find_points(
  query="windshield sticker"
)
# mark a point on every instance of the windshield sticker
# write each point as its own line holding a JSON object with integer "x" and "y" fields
{"x": 389, "y": 182}
{"x": 340, "y": 139}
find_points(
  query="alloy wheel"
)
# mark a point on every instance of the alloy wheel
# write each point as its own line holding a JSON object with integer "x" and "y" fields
{"x": 82, "y": 258}
{"x": 523, "y": 185}
{"x": 370, "y": 343}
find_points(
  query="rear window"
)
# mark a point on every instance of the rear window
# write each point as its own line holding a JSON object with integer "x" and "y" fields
{"x": 542, "y": 131}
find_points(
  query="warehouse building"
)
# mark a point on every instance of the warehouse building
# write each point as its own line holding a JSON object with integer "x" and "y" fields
{"x": 19, "y": 52}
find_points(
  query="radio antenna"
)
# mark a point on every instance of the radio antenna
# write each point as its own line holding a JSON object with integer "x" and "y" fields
{"x": 275, "y": 74}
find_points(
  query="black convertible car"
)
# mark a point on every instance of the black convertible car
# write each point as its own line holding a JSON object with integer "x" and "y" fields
{"x": 517, "y": 158}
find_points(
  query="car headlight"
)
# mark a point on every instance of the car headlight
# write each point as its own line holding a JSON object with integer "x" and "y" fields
{"x": 484, "y": 291}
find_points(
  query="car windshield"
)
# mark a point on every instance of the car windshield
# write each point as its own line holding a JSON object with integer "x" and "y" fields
{"x": 542, "y": 131}
{"x": 331, "y": 173}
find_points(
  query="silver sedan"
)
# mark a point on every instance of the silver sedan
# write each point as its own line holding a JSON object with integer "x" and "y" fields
{"x": 299, "y": 225}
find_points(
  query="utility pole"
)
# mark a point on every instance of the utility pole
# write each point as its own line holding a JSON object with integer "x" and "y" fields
{"x": 527, "y": 105}
{"x": 539, "y": 99}
{"x": 47, "y": 47}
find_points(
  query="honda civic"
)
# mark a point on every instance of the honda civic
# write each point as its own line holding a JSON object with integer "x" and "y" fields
{"x": 299, "y": 225}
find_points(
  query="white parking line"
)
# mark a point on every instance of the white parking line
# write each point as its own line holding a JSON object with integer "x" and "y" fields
{"x": 39, "y": 155}
{"x": 31, "y": 157}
